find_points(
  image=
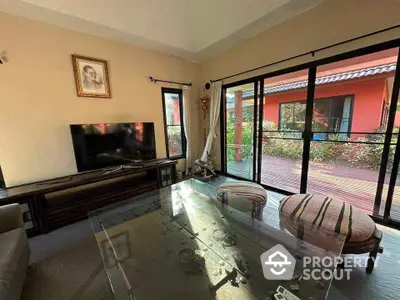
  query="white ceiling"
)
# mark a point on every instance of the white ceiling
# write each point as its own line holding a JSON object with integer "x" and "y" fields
{"x": 191, "y": 29}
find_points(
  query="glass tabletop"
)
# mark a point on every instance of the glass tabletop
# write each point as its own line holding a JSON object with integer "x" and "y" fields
{"x": 180, "y": 242}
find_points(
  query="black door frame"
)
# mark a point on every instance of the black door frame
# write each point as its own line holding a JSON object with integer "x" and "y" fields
{"x": 260, "y": 119}
{"x": 255, "y": 146}
{"x": 396, "y": 159}
{"x": 307, "y": 135}
{"x": 390, "y": 125}
{"x": 222, "y": 119}
{"x": 386, "y": 147}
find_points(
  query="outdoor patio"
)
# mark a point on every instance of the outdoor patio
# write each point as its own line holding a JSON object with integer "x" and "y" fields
{"x": 353, "y": 185}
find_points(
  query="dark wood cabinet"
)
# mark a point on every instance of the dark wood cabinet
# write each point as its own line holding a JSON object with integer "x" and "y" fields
{"x": 57, "y": 202}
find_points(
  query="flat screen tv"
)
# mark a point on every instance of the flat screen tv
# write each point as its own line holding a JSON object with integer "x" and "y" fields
{"x": 98, "y": 146}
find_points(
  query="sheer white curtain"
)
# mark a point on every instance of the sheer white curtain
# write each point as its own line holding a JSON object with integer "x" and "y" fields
{"x": 216, "y": 89}
{"x": 186, "y": 125}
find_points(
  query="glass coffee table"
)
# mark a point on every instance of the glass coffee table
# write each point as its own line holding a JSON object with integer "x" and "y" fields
{"x": 179, "y": 242}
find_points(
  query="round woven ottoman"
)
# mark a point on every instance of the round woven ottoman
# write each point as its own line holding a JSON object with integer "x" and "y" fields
{"x": 244, "y": 196}
{"x": 336, "y": 216}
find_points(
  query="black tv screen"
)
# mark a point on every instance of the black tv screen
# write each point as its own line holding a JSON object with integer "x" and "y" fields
{"x": 103, "y": 145}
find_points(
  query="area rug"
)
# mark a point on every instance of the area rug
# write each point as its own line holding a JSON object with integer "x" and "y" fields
{"x": 76, "y": 271}
{"x": 71, "y": 274}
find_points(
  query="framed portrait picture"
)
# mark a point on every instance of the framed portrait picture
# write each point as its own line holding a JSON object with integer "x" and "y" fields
{"x": 91, "y": 77}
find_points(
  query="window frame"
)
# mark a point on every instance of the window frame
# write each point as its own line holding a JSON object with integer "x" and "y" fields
{"x": 323, "y": 98}
{"x": 280, "y": 123}
{"x": 165, "y": 90}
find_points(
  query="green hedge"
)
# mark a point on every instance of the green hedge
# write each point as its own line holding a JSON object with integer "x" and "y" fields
{"x": 247, "y": 140}
{"x": 339, "y": 151}
{"x": 369, "y": 155}
{"x": 344, "y": 152}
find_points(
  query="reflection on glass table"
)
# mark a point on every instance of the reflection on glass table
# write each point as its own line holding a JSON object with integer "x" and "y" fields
{"x": 181, "y": 242}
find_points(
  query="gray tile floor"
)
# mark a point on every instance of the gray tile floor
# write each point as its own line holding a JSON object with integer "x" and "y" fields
{"x": 383, "y": 283}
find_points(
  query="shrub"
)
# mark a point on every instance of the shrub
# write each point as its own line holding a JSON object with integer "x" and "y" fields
{"x": 330, "y": 152}
{"x": 247, "y": 140}
{"x": 290, "y": 145}
{"x": 174, "y": 140}
{"x": 369, "y": 155}
{"x": 281, "y": 144}
{"x": 358, "y": 155}
{"x": 283, "y": 148}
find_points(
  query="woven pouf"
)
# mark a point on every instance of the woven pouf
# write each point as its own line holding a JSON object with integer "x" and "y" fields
{"x": 335, "y": 216}
{"x": 244, "y": 196}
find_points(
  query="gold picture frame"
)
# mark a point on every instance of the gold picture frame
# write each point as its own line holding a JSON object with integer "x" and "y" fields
{"x": 91, "y": 77}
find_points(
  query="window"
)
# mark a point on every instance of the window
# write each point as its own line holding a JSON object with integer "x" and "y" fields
{"x": 173, "y": 121}
{"x": 330, "y": 115}
{"x": 292, "y": 116}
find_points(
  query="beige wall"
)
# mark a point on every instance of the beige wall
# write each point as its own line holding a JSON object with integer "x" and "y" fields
{"x": 38, "y": 98}
{"x": 331, "y": 22}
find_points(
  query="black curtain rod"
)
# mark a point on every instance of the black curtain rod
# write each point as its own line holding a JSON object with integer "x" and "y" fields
{"x": 155, "y": 80}
{"x": 312, "y": 52}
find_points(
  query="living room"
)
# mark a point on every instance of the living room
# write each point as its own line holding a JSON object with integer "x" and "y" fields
{"x": 153, "y": 114}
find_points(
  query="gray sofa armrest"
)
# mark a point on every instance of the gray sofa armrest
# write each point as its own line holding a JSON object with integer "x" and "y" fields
{"x": 10, "y": 217}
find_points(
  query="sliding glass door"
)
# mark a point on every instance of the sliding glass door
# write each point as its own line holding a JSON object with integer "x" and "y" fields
{"x": 349, "y": 124}
{"x": 390, "y": 206}
{"x": 239, "y": 110}
{"x": 330, "y": 129}
{"x": 284, "y": 115}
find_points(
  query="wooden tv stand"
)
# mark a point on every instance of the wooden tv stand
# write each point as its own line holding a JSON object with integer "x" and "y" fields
{"x": 53, "y": 203}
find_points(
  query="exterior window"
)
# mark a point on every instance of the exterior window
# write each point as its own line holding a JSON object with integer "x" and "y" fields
{"x": 331, "y": 115}
{"x": 292, "y": 116}
{"x": 173, "y": 122}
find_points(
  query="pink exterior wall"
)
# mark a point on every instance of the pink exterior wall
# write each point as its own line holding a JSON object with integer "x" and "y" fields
{"x": 177, "y": 112}
{"x": 397, "y": 119}
{"x": 368, "y": 101}
{"x": 173, "y": 108}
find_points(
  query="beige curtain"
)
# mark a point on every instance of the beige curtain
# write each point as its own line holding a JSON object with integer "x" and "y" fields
{"x": 216, "y": 90}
